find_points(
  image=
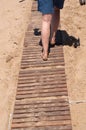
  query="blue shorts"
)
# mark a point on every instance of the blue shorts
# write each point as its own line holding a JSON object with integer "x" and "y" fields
{"x": 47, "y": 6}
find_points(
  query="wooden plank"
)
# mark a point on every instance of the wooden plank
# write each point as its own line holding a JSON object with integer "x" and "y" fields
{"x": 41, "y": 123}
{"x": 62, "y": 127}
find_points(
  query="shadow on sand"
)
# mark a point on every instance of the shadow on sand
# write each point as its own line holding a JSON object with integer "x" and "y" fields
{"x": 62, "y": 38}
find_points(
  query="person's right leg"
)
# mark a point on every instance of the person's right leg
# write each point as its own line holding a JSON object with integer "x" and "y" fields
{"x": 54, "y": 25}
{"x": 58, "y": 4}
{"x": 46, "y": 21}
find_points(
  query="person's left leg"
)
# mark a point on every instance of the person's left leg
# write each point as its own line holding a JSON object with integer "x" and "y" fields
{"x": 46, "y": 21}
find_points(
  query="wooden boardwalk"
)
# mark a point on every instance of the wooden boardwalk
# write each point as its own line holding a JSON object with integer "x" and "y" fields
{"x": 42, "y": 97}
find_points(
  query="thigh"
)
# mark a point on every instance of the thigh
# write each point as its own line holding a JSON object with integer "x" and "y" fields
{"x": 58, "y": 3}
{"x": 45, "y": 6}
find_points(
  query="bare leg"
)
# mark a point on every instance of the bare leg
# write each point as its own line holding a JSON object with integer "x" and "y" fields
{"x": 46, "y": 21}
{"x": 54, "y": 24}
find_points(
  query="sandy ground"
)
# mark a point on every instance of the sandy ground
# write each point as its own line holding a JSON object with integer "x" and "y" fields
{"x": 15, "y": 17}
{"x": 74, "y": 22}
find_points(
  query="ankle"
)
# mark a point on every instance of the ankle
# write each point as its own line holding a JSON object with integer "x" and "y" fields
{"x": 52, "y": 40}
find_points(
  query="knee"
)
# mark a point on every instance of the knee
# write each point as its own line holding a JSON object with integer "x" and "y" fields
{"x": 47, "y": 18}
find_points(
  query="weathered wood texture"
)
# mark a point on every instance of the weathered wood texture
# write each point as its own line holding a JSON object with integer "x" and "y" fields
{"x": 42, "y": 97}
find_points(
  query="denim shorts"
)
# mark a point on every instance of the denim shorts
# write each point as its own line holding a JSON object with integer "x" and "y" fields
{"x": 47, "y": 6}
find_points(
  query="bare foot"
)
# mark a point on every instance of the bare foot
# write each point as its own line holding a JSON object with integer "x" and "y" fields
{"x": 44, "y": 56}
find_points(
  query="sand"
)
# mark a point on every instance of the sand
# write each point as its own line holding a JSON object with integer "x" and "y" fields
{"x": 74, "y": 22}
{"x": 15, "y": 17}
{"x": 13, "y": 24}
